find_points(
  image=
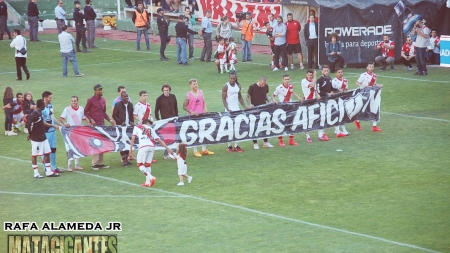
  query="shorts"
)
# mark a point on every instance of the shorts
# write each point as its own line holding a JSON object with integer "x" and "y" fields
{"x": 39, "y": 148}
{"x": 51, "y": 137}
{"x": 145, "y": 155}
{"x": 294, "y": 48}
{"x": 18, "y": 117}
{"x": 182, "y": 167}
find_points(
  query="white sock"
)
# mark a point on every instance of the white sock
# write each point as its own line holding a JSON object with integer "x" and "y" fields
{"x": 271, "y": 62}
{"x": 226, "y": 67}
{"x": 344, "y": 130}
{"x": 235, "y": 144}
{"x": 228, "y": 144}
{"x": 374, "y": 123}
{"x": 69, "y": 163}
{"x": 336, "y": 129}
{"x": 77, "y": 162}
{"x": 232, "y": 66}
{"x": 203, "y": 147}
{"x": 221, "y": 67}
{"x": 35, "y": 169}
{"x": 48, "y": 169}
{"x": 195, "y": 149}
{"x": 149, "y": 176}
{"x": 320, "y": 132}
{"x": 307, "y": 135}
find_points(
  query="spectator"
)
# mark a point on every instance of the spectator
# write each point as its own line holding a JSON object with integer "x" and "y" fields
{"x": 312, "y": 42}
{"x": 73, "y": 115}
{"x": 313, "y": 13}
{"x": 272, "y": 20}
{"x": 223, "y": 30}
{"x": 33, "y": 19}
{"x": 334, "y": 52}
{"x": 257, "y": 95}
{"x": 67, "y": 54}
{"x": 163, "y": 28}
{"x": 167, "y": 105}
{"x": 431, "y": 52}
{"x": 387, "y": 53}
{"x": 422, "y": 42}
{"x": 141, "y": 21}
{"x": 206, "y": 33}
{"x": 60, "y": 14}
{"x": 95, "y": 111}
{"x": 279, "y": 35}
{"x": 90, "y": 23}
{"x": 269, "y": 30}
{"x": 293, "y": 28}
{"x": 79, "y": 17}
{"x": 123, "y": 116}
{"x": 194, "y": 104}
{"x": 8, "y": 107}
{"x": 182, "y": 31}
{"x": 3, "y": 18}
{"x": 407, "y": 54}
{"x": 222, "y": 55}
{"x": 18, "y": 43}
{"x": 247, "y": 33}
{"x": 190, "y": 22}
{"x": 437, "y": 51}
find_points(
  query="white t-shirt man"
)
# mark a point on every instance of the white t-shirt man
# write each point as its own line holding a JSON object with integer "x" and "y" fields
{"x": 73, "y": 116}
{"x": 143, "y": 111}
{"x": 367, "y": 79}
{"x": 308, "y": 92}
{"x": 284, "y": 93}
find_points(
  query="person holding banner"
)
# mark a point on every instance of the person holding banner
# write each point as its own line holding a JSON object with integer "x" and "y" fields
{"x": 194, "y": 104}
{"x": 284, "y": 92}
{"x": 257, "y": 95}
{"x": 73, "y": 115}
{"x": 341, "y": 85}
{"x": 368, "y": 79}
{"x": 231, "y": 97}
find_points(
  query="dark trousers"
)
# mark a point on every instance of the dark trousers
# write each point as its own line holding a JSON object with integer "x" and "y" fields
{"x": 420, "y": 58}
{"x": 407, "y": 63}
{"x": 21, "y": 62}
{"x": 191, "y": 45}
{"x": 33, "y": 23}
{"x": 339, "y": 59}
{"x": 8, "y": 121}
{"x": 280, "y": 51}
{"x": 163, "y": 38}
{"x": 81, "y": 36}
{"x": 207, "y": 48}
{"x": 312, "y": 50}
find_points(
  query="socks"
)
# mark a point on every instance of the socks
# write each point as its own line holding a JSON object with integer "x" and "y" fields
{"x": 69, "y": 163}
{"x": 374, "y": 123}
{"x": 307, "y": 135}
{"x": 291, "y": 137}
{"x": 53, "y": 160}
{"x": 48, "y": 169}
{"x": 77, "y": 162}
{"x": 336, "y": 129}
{"x": 203, "y": 148}
{"x": 344, "y": 130}
{"x": 35, "y": 169}
{"x": 320, "y": 132}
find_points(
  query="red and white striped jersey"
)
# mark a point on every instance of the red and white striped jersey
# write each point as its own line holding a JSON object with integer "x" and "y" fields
{"x": 340, "y": 83}
{"x": 143, "y": 111}
{"x": 308, "y": 92}
{"x": 284, "y": 93}
{"x": 367, "y": 79}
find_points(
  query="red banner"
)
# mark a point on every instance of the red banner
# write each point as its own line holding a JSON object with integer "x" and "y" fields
{"x": 220, "y": 8}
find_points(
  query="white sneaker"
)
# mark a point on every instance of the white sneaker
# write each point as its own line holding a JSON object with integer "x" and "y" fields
{"x": 11, "y": 133}
{"x": 189, "y": 179}
{"x": 267, "y": 145}
{"x": 408, "y": 68}
{"x": 275, "y": 69}
{"x": 180, "y": 184}
{"x": 38, "y": 176}
{"x": 286, "y": 69}
{"x": 302, "y": 67}
{"x": 255, "y": 146}
{"x": 25, "y": 130}
{"x": 292, "y": 66}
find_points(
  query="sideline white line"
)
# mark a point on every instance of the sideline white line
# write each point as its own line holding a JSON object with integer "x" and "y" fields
{"x": 258, "y": 212}
{"x": 416, "y": 117}
{"x": 86, "y": 195}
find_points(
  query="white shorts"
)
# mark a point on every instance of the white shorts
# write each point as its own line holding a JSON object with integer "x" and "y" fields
{"x": 40, "y": 148}
{"x": 18, "y": 117}
{"x": 232, "y": 61}
{"x": 222, "y": 61}
{"x": 182, "y": 167}
{"x": 145, "y": 154}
